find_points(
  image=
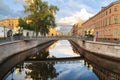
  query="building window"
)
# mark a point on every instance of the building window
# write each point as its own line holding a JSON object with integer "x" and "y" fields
{"x": 102, "y": 22}
{"x": 105, "y": 22}
{"x": 115, "y": 19}
{"x": 116, "y": 9}
{"x": 106, "y": 12}
{"x": 115, "y": 32}
{"x": 109, "y": 20}
{"x": 110, "y": 11}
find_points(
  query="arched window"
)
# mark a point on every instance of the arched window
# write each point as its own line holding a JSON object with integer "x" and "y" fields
{"x": 9, "y": 33}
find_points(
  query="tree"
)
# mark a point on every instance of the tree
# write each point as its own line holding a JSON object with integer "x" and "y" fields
{"x": 42, "y": 15}
{"x": 23, "y": 24}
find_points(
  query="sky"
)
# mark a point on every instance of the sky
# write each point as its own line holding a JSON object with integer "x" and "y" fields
{"x": 70, "y": 11}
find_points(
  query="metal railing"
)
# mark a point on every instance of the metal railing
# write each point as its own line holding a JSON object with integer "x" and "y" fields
{"x": 14, "y": 38}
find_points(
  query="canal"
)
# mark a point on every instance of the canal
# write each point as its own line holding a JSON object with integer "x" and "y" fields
{"x": 35, "y": 69}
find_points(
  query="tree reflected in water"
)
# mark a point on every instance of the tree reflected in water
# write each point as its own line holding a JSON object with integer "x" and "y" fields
{"x": 41, "y": 70}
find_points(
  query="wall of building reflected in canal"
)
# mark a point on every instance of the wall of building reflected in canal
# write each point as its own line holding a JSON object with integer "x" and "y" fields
{"x": 52, "y": 70}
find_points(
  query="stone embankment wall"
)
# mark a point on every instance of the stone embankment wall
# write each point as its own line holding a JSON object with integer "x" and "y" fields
{"x": 12, "y": 53}
{"x": 104, "y": 57}
{"x": 108, "y": 49}
{"x": 11, "y": 48}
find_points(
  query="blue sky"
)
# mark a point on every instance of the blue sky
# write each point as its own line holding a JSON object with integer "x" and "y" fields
{"x": 70, "y": 11}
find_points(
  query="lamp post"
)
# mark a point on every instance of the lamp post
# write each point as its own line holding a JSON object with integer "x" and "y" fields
{"x": 2, "y": 24}
{"x": 20, "y": 31}
{"x": 4, "y": 31}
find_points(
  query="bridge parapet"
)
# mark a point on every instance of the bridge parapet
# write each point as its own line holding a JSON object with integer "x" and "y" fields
{"x": 55, "y": 38}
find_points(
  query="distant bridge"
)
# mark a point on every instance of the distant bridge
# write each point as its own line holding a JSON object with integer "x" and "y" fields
{"x": 3, "y": 40}
{"x": 55, "y": 38}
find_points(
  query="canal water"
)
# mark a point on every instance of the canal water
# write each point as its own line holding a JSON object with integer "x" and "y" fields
{"x": 34, "y": 69}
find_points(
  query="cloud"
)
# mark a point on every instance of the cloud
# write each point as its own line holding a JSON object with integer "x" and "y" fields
{"x": 107, "y": 2}
{"x": 72, "y": 11}
{"x": 60, "y": 0}
{"x": 5, "y": 10}
{"x": 81, "y": 15}
{"x": 58, "y": 28}
{"x": 72, "y": 15}
{"x": 19, "y": 1}
{"x": 79, "y": 4}
{"x": 21, "y": 13}
{"x": 62, "y": 50}
{"x": 63, "y": 29}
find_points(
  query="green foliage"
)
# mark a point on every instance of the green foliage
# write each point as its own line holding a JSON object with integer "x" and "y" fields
{"x": 22, "y": 23}
{"x": 31, "y": 26}
{"x": 26, "y": 26}
{"x": 42, "y": 15}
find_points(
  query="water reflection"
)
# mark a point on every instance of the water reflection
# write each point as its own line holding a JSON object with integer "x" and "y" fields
{"x": 43, "y": 70}
{"x": 43, "y": 54}
{"x": 63, "y": 49}
{"x": 66, "y": 70}
{"x": 35, "y": 71}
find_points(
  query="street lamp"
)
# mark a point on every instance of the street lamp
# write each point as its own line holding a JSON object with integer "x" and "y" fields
{"x": 4, "y": 32}
{"x": 18, "y": 29}
{"x": 20, "y": 32}
{"x": 3, "y": 28}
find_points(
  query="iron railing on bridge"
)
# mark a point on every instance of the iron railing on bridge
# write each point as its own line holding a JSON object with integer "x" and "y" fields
{"x": 14, "y": 38}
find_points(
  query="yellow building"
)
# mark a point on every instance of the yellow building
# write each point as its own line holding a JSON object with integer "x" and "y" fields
{"x": 54, "y": 32}
{"x": 76, "y": 29}
{"x": 28, "y": 21}
{"x": 10, "y": 23}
